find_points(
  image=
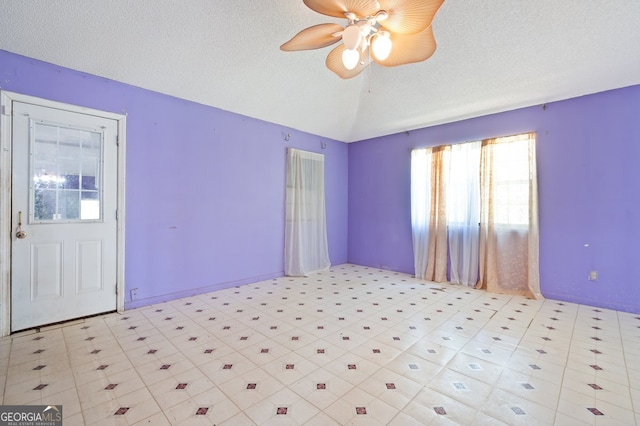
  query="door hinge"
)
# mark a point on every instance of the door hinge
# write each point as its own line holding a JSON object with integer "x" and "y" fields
{"x": 118, "y": 140}
{"x": 6, "y": 110}
{"x": 116, "y": 214}
{"x": 116, "y": 289}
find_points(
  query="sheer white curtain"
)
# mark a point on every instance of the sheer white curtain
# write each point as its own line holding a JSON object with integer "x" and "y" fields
{"x": 463, "y": 213}
{"x": 305, "y": 250}
{"x": 420, "y": 207}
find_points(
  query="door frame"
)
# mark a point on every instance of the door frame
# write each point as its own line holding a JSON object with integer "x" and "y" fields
{"x": 6, "y": 99}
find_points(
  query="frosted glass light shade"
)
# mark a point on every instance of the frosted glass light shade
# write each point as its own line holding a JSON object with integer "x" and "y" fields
{"x": 350, "y": 58}
{"x": 351, "y": 36}
{"x": 381, "y": 47}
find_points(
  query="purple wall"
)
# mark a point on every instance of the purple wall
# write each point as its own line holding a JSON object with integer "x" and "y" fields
{"x": 588, "y": 152}
{"x": 205, "y": 188}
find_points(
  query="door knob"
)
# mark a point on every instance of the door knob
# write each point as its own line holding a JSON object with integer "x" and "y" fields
{"x": 20, "y": 234}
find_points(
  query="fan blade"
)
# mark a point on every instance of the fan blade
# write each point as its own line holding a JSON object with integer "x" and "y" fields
{"x": 337, "y": 8}
{"x": 334, "y": 63}
{"x": 313, "y": 37}
{"x": 409, "y": 48}
{"x": 409, "y": 16}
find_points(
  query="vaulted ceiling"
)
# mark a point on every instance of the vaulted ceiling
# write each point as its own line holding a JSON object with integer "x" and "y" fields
{"x": 492, "y": 56}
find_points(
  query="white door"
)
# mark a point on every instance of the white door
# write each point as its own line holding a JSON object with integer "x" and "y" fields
{"x": 64, "y": 200}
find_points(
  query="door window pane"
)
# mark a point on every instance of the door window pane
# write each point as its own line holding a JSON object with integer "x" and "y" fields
{"x": 66, "y": 171}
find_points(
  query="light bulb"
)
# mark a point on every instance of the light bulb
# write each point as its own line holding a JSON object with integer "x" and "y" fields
{"x": 350, "y": 58}
{"x": 381, "y": 47}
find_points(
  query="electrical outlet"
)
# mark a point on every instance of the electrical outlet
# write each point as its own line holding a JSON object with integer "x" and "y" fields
{"x": 134, "y": 293}
{"x": 593, "y": 276}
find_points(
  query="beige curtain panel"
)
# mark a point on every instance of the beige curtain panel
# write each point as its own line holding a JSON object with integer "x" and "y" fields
{"x": 509, "y": 253}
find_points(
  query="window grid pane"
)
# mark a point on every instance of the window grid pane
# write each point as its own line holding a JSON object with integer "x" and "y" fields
{"x": 511, "y": 173}
{"x": 66, "y": 173}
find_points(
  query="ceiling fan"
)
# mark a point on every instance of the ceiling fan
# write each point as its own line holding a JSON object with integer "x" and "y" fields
{"x": 397, "y": 32}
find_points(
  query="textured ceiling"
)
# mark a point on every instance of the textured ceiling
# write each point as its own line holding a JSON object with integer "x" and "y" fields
{"x": 492, "y": 56}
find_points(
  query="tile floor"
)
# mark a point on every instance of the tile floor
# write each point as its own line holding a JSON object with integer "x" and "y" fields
{"x": 353, "y": 345}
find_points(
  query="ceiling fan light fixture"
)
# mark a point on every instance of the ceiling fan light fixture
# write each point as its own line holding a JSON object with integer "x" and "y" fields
{"x": 398, "y": 32}
{"x": 381, "y": 45}
{"x": 350, "y": 58}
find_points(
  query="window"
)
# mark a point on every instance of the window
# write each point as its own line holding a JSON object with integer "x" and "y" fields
{"x": 466, "y": 201}
{"x": 306, "y": 247}
{"x": 66, "y": 170}
{"x": 463, "y": 184}
{"x": 511, "y": 174}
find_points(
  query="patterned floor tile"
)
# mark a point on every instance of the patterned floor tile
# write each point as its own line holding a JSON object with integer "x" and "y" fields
{"x": 349, "y": 345}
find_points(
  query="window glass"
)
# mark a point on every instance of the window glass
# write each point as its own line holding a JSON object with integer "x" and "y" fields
{"x": 66, "y": 172}
{"x": 511, "y": 173}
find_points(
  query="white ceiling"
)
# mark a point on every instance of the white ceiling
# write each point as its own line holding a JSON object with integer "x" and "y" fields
{"x": 492, "y": 56}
